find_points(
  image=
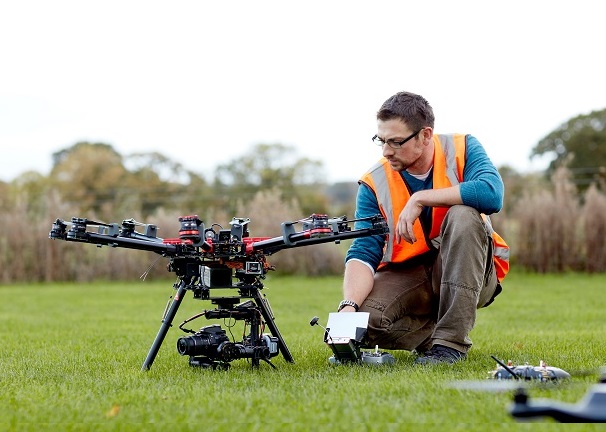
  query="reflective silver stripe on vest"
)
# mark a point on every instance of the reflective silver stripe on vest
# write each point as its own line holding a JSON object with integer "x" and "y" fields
{"x": 450, "y": 152}
{"x": 379, "y": 178}
{"x": 501, "y": 252}
{"x": 498, "y": 251}
{"x": 448, "y": 147}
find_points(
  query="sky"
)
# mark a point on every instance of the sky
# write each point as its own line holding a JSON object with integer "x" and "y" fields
{"x": 203, "y": 82}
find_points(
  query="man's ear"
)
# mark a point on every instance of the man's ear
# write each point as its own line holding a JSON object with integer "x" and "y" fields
{"x": 427, "y": 134}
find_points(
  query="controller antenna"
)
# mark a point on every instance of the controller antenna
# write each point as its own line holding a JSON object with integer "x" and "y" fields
{"x": 314, "y": 321}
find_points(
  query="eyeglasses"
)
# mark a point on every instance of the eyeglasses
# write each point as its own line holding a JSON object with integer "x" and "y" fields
{"x": 394, "y": 144}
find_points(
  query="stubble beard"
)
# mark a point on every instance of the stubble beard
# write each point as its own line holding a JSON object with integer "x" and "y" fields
{"x": 399, "y": 165}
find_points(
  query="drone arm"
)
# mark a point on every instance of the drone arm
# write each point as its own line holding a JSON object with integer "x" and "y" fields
{"x": 276, "y": 244}
{"x": 78, "y": 233}
{"x": 131, "y": 243}
{"x": 308, "y": 237}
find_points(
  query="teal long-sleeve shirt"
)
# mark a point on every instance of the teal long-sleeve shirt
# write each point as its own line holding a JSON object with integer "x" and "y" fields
{"x": 482, "y": 188}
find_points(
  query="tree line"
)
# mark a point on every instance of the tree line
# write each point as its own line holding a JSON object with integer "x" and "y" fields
{"x": 554, "y": 221}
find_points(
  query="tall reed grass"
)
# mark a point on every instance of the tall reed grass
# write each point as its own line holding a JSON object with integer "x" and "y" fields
{"x": 550, "y": 229}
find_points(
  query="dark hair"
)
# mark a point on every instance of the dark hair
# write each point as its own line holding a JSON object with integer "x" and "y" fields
{"x": 412, "y": 109}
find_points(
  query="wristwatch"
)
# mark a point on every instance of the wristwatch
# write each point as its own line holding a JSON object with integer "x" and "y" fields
{"x": 351, "y": 303}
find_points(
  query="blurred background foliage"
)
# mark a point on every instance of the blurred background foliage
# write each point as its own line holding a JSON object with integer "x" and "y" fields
{"x": 554, "y": 221}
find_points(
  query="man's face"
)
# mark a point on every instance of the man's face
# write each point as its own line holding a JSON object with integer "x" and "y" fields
{"x": 409, "y": 155}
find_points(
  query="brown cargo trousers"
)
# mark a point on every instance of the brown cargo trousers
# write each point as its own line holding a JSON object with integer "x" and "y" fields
{"x": 434, "y": 298}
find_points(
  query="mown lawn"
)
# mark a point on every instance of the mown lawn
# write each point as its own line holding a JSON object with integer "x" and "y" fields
{"x": 71, "y": 356}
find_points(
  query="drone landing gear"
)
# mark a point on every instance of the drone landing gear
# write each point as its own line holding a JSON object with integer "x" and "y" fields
{"x": 167, "y": 321}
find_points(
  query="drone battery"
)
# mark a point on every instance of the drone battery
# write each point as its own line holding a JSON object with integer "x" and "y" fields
{"x": 215, "y": 277}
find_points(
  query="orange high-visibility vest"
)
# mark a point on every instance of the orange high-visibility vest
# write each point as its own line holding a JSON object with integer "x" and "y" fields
{"x": 393, "y": 193}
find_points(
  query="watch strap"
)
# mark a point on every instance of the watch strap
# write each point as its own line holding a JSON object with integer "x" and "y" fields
{"x": 351, "y": 303}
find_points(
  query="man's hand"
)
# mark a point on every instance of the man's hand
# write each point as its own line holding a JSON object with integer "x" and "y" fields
{"x": 404, "y": 228}
{"x": 445, "y": 197}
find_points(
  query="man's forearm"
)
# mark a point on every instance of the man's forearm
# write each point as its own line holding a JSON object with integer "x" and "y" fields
{"x": 357, "y": 283}
{"x": 446, "y": 197}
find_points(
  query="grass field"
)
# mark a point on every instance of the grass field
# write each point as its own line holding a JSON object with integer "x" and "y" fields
{"x": 71, "y": 355}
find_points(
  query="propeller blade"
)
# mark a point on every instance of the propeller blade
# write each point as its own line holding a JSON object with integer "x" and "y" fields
{"x": 490, "y": 386}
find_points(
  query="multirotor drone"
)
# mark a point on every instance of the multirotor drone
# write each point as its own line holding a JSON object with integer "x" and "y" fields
{"x": 210, "y": 259}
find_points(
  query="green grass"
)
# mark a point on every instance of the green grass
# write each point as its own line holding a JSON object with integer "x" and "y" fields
{"x": 71, "y": 355}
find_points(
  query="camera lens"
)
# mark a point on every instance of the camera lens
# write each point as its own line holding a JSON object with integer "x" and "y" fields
{"x": 191, "y": 345}
{"x": 205, "y": 342}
